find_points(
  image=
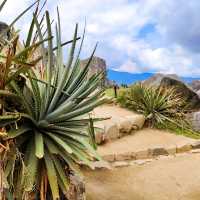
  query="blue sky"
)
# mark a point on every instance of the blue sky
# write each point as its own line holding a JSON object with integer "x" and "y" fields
{"x": 134, "y": 35}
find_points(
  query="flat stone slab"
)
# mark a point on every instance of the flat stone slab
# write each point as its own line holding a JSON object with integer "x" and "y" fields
{"x": 147, "y": 139}
{"x": 115, "y": 113}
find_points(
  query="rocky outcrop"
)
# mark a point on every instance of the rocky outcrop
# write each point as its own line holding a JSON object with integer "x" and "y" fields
{"x": 195, "y": 85}
{"x": 194, "y": 119}
{"x": 172, "y": 80}
{"x": 191, "y": 97}
{"x": 97, "y": 65}
{"x": 157, "y": 78}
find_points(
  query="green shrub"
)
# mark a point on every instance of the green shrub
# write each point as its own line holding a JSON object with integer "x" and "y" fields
{"x": 159, "y": 105}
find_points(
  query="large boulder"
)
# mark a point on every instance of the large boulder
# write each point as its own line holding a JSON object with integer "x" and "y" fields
{"x": 195, "y": 85}
{"x": 157, "y": 78}
{"x": 194, "y": 119}
{"x": 191, "y": 97}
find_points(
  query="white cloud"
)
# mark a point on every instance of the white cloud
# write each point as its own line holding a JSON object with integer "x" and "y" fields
{"x": 129, "y": 66}
{"x": 172, "y": 48}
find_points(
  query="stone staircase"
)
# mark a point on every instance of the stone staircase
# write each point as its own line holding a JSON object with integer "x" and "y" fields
{"x": 119, "y": 123}
{"x": 122, "y": 141}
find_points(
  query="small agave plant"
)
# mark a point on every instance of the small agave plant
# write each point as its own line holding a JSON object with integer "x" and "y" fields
{"x": 49, "y": 129}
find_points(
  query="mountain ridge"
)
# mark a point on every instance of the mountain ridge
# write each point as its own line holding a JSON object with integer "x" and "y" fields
{"x": 129, "y": 78}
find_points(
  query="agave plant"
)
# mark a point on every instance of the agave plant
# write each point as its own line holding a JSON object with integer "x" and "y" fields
{"x": 10, "y": 68}
{"x": 158, "y": 104}
{"x": 55, "y": 129}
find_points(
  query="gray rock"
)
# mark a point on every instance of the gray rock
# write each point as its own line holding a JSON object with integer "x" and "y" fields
{"x": 101, "y": 165}
{"x": 157, "y": 151}
{"x": 194, "y": 118}
{"x": 157, "y": 78}
{"x": 198, "y": 93}
{"x": 195, "y": 85}
{"x": 190, "y": 96}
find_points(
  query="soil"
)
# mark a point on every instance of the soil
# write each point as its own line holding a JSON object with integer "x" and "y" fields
{"x": 176, "y": 178}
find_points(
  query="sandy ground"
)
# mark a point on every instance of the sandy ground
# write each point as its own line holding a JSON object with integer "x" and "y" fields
{"x": 143, "y": 139}
{"x": 176, "y": 178}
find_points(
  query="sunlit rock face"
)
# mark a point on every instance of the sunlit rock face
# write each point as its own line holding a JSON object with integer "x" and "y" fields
{"x": 97, "y": 65}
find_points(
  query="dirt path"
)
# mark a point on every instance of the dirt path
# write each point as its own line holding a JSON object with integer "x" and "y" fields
{"x": 176, "y": 178}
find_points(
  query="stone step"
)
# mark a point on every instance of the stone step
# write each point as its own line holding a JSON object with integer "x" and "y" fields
{"x": 146, "y": 156}
{"x": 153, "y": 152}
{"x": 117, "y": 128}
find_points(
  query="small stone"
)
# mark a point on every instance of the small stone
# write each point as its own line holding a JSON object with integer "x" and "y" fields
{"x": 109, "y": 158}
{"x": 140, "y": 162}
{"x": 101, "y": 165}
{"x": 181, "y": 148}
{"x": 123, "y": 156}
{"x": 162, "y": 157}
{"x": 133, "y": 155}
{"x": 159, "y": 150}
{"x": 120, "y": 164}
{"x": 196, "y": 145}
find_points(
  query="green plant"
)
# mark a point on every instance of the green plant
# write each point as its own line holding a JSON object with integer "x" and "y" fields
{"x": 54, "y": 129}
{"x": 158, "y": 104}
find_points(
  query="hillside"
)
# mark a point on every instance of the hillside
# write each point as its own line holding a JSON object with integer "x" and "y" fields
{"x": 129, "y": 78}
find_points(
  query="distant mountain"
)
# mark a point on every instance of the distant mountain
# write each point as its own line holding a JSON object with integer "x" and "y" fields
{"x": 129, "y": 78}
